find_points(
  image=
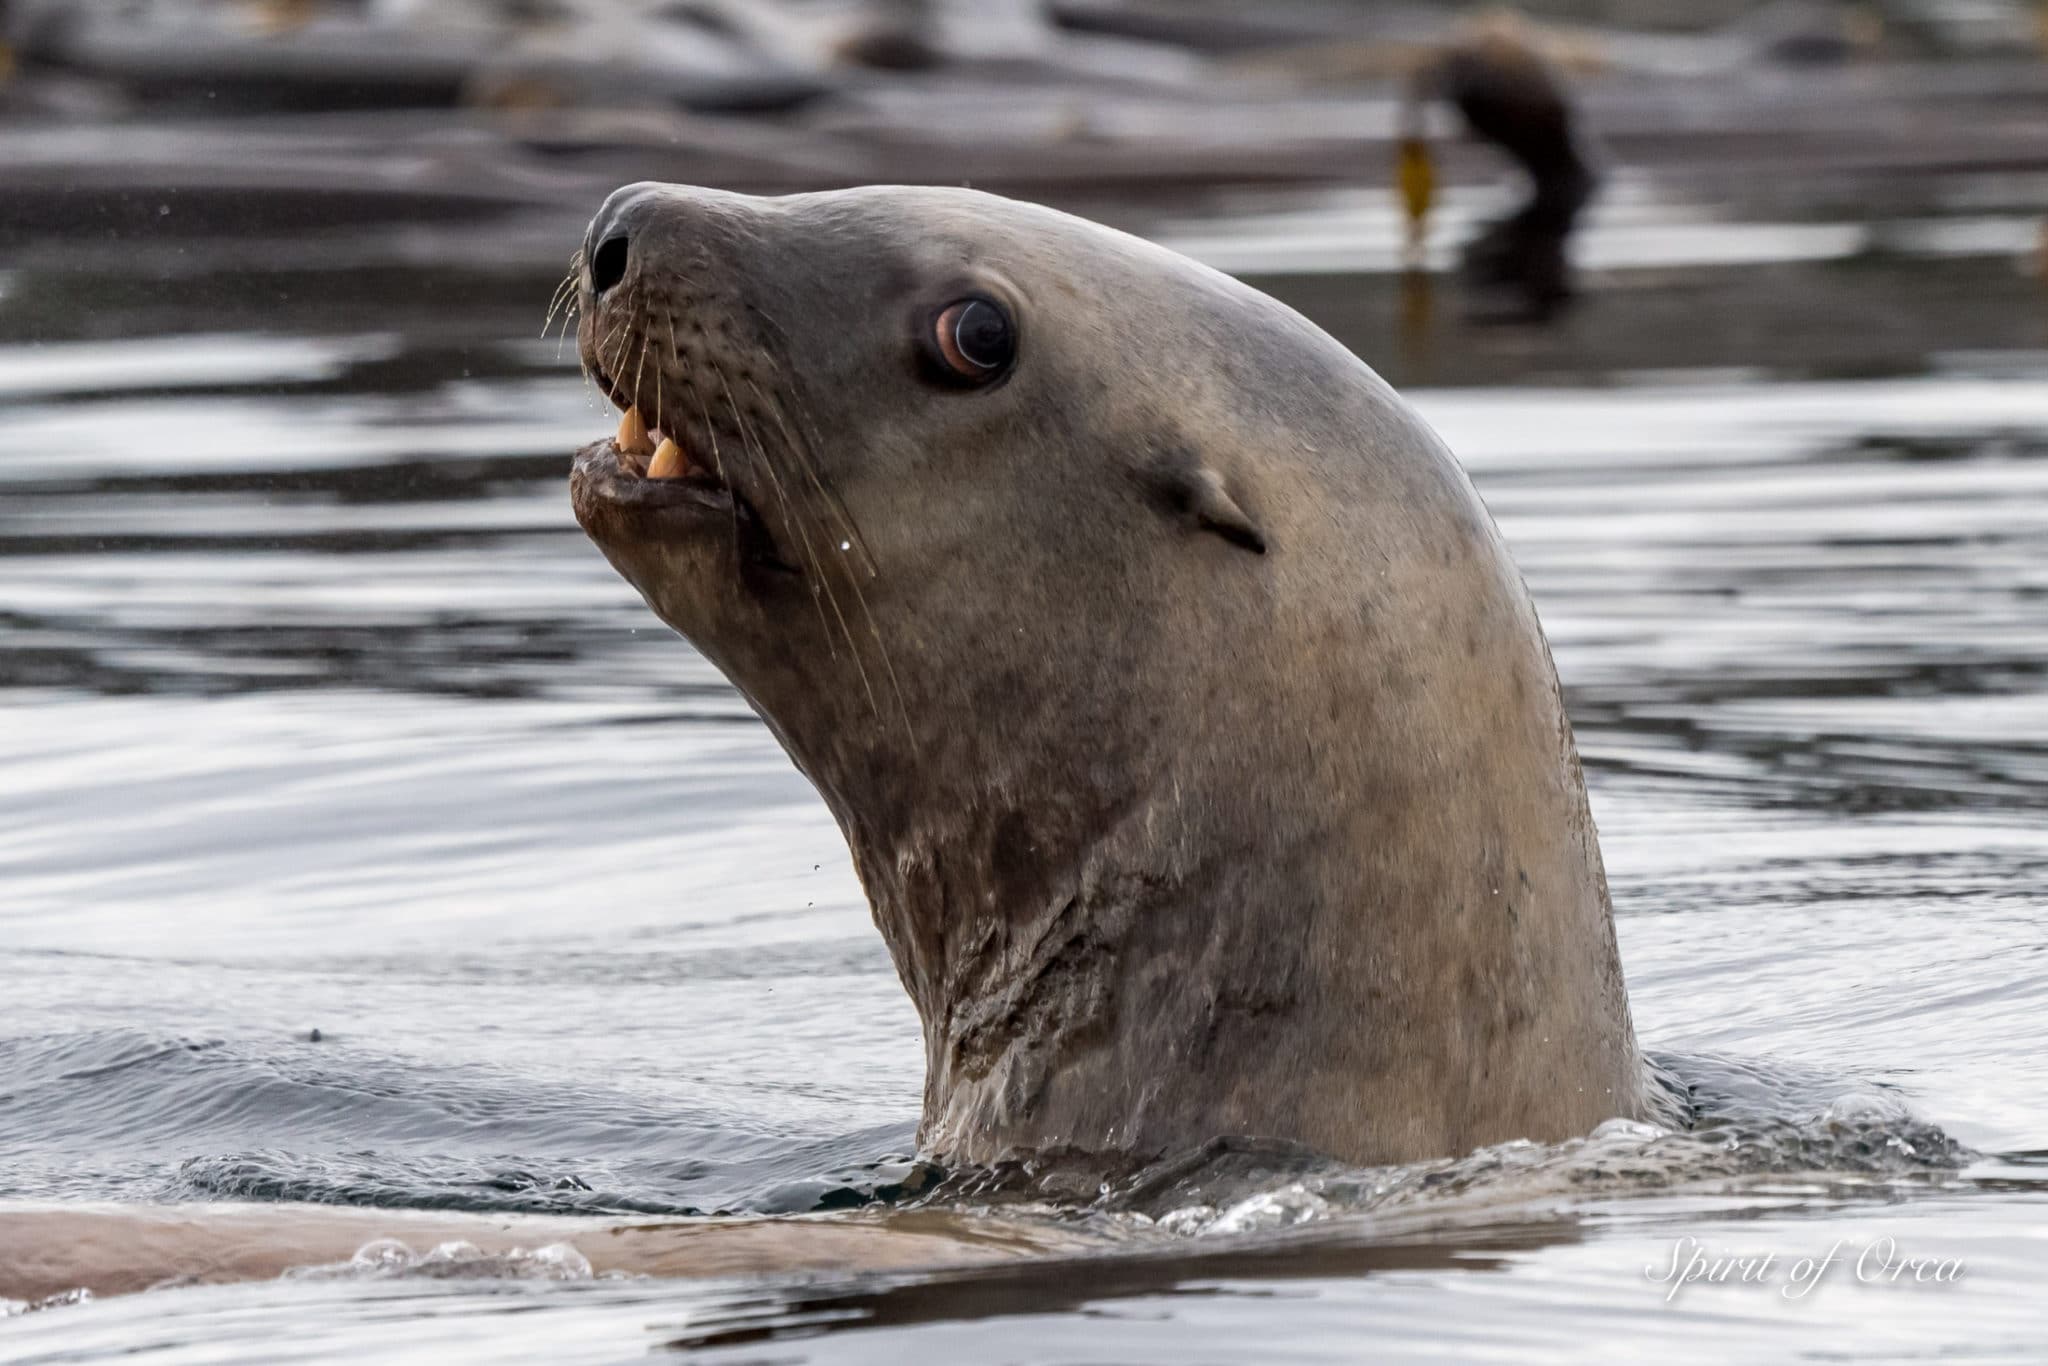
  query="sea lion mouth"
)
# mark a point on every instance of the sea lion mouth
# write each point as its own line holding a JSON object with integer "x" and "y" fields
{"x": 666, "y": 481}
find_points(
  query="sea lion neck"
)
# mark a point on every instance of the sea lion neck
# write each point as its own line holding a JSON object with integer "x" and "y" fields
{"x": 1050, "y": 959}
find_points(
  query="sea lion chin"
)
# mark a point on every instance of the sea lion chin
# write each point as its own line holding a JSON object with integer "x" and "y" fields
{"x": 1193, "y": 734}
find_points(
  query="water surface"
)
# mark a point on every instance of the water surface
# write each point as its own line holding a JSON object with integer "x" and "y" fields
{"x": 319, "y": 714}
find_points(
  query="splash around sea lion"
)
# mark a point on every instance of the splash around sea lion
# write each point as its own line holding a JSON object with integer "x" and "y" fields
{"x": 1192, "y": 731}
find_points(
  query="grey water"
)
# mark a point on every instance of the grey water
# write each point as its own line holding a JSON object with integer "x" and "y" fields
{"x": 363, "y": 840}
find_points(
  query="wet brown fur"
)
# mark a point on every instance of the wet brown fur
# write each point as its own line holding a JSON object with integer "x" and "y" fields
{"x": 1171, "y": 834}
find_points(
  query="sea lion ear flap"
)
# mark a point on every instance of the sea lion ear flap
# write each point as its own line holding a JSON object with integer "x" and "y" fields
{"x": 1182, "y": 486}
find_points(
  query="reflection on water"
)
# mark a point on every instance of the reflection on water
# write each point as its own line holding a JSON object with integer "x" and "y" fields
{"x": 322, "y": 716}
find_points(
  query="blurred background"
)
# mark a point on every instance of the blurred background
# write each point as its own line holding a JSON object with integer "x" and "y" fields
{"x": 364, "y": 840}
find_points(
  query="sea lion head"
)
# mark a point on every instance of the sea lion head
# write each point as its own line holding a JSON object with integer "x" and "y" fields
{"x": 875, "y": 387}
{"x": 1193, "y": 735}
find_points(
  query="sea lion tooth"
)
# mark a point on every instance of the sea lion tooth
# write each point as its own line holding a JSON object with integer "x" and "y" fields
{"x": 668, "y": 461}
{"x": 633, "y": 434}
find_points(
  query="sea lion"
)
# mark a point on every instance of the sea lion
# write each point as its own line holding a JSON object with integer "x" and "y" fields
{"x": 1193, "y": 733}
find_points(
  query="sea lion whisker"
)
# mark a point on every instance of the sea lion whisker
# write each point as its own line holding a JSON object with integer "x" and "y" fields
{"x": 622, "y": 333}
{"x": 797, "y": 448}
{"x": 808, "y": 437}
{"x": 814, "y": 569}
{"x": 639, "y": 370}
{"x": 584, "y": 365}
{"x": 570, "y": 320}
{"x": 604, "y": 338}
{"x": 781, "y": 333}
{"x": 757, "y": 450}
{"x": 563, "y": 293}
{"x": 604, "y": 343}
{"x": 569, "y": 317}
{"x": 589, "y": 380}
{"x": 733, "y": 503}
{"x": 568, "y": 282}
{"x": 854, "y": 540}
{"x": 668, "y": 320}
{"x": 824, "y": 580}
{"x": 601, "y": 335}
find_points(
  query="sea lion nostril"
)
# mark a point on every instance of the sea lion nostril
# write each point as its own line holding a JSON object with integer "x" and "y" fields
{"x": 608, "y": 263}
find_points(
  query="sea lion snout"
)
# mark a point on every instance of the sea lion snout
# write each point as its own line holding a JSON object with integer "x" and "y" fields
{"x": 703, "y": 443}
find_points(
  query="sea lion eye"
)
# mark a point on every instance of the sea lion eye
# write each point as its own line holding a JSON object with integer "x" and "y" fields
{"x": 975, "y": 339}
